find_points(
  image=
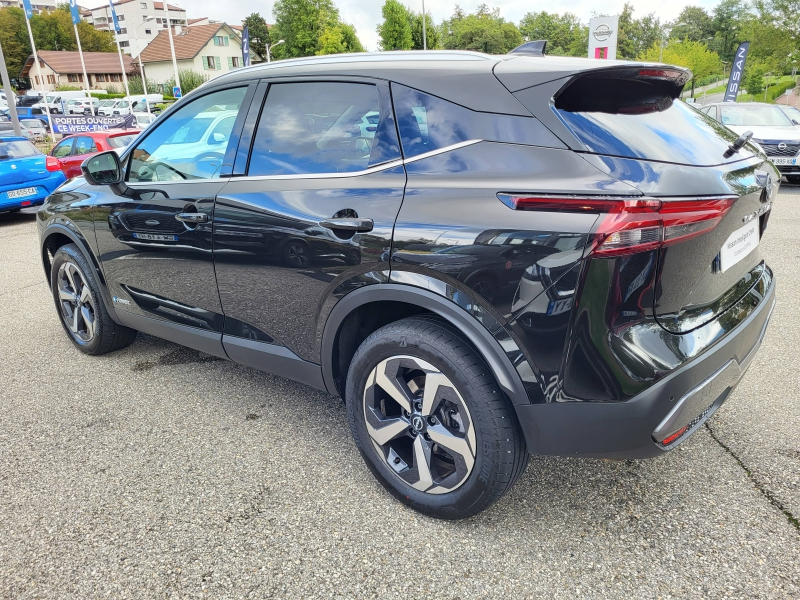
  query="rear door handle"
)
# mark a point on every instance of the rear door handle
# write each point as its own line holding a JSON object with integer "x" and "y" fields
{"x": 359, "y": 225}
{"x": 192, "y": 217}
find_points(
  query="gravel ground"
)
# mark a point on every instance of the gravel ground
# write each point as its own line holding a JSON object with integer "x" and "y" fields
{"x": 162, "y": 472}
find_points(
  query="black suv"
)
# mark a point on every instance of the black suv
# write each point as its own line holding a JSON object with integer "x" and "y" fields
{"x": 485, "y": 256}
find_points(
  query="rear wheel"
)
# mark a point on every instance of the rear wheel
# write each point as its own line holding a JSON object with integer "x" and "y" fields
{"x": 80, "y": 305}
{"x": 430, "y": 421}
{"x": 296, "y": 254}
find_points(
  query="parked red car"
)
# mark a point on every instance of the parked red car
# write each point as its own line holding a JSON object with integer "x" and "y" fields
{"x": 74, "y": 149}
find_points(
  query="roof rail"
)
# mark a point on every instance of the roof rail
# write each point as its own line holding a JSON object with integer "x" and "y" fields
{"x": 531, "y": 48}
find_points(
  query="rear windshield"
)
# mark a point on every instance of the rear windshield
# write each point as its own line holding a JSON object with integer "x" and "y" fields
{"x": 120, "y": 141}
{"x": 637, "y": 120}
{"x": 768, "y": 116}
{"x": 17, "y": 149}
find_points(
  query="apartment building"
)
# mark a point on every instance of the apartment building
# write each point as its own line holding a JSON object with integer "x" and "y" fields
{"x": 140, "y": 21}
{"x": 37, "y": 5}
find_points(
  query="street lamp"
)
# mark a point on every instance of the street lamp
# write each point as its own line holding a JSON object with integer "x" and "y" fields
{"x": 424, "y": 30}
{"x": 766, "y": 84}
{"x": 141, "y": 66}
{"x": 271, "y": 46}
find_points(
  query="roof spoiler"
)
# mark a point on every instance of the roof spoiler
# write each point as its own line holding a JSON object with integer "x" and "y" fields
{"x": 531, "y": 48}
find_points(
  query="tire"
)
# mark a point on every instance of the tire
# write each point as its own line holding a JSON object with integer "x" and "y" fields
{"x": 793, "y": 179}
{"x": 352, "y": 258}
{"x": 485, "y": 285}
{"x": 75, "y": 290}
{"x": 470, "y": 415}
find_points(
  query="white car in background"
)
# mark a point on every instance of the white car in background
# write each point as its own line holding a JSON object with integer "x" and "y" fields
{"x": 83, "y": 106}
{"x": 143, "y": 120}
{"x": 773, "y": 131}
{"x": 32, "y": 129}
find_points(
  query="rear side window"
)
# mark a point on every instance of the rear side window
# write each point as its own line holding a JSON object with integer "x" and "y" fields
{"x": 428, "y": 123}
{"x": 634, "y": 118}
{"x": 322, "y": 127}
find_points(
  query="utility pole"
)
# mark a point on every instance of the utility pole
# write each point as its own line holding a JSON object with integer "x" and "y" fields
{"x": 12, "y": 105}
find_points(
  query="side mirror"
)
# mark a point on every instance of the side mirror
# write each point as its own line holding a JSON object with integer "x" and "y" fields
{"x": 218, "y": 138}
{"x": 795, "y": 122}
{"x": 105, "y": 169}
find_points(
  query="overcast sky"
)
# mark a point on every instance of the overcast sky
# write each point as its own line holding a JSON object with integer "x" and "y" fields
{"x": 366, "y": 14}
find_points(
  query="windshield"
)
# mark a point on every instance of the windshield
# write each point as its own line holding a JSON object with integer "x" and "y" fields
{"x": 108, "y": 103}
{"x": 31, "y": 124}
{"x": 51, "y": 99}
{"x": 120, "y": 141}
{"x": 17, "y": 149}
{"x": 765, "y": 116}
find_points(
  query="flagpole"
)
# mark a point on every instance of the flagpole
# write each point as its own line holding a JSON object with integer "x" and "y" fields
{"x": 172, "y": 46}
{"x": 83, "y": 66}
{"x": 41, "y": 78}
{"x": 115, "y": 25}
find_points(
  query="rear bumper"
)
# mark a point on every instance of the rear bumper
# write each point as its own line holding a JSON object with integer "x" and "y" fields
{"x": 44, "y": 187}
{"x": 639, "y": 427}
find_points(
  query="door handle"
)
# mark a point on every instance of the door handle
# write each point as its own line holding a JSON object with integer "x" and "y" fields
{"x": 192, "y": 217}
{"x": 359, "y": 225}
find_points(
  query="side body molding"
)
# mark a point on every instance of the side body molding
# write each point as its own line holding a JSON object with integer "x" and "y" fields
{"x": 502, "y": 369}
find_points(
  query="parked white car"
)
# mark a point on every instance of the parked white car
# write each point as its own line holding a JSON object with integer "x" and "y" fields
{"x": 83, "y": 106}
{"x": 143, "y": 120}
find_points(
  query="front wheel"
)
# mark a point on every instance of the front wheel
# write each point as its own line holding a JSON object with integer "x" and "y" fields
{"x": 430, "y": 421}
{"x": 80, "y": 305}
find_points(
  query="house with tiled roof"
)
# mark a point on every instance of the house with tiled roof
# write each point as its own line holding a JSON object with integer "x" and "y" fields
{"x": 59, "y": 67}
{"x": 211, "y": 49}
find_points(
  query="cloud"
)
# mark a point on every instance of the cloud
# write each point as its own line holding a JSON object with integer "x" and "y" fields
{"x": 365, "y": 15}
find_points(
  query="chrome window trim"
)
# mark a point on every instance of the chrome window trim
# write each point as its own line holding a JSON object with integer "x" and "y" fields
{"x": 376, "y": 169}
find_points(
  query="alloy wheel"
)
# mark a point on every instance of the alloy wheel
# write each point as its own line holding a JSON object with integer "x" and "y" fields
{"x": 419, "y": 423}
{"x": 76, "y": 302}
{"x": 297, "y": 255}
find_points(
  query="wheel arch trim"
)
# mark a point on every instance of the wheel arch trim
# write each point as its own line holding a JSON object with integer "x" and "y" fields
{"x": 504, "y": 372}
{"x": 83, "y": 245}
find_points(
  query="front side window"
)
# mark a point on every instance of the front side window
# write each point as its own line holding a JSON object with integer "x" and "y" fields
{"x": 63, "y": 149}
{"x": 323, "y": 127}
{"x": 191, "y": 143}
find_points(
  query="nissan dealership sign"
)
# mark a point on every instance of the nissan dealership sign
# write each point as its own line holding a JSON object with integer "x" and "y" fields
{"x": 603, "y": 33}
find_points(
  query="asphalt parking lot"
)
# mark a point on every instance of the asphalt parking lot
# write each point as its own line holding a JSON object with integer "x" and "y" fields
{"x": 162, "y": 472}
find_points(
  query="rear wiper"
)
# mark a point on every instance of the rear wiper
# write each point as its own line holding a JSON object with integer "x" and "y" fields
{"x": 738, "y": 144}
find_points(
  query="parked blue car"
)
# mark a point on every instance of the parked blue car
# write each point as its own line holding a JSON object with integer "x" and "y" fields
{"x": 27, "y": 176}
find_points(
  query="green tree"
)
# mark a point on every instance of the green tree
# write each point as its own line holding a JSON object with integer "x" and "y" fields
{"x": 728, "y": 17}
{"x": 302, "y": 23}
{"x": 695, "y": 56}
{"x": 52, "y": 30}
{"x": 431, "y": 31}
{"x": 753, "y": 80}
{"x": 693, "y": 24}
{"x": 339, "y": 39}
{"x": 482, "y": 31}
{"x": 395, "y": 30}
{"x": 636, "y": 35}
{"x": 560, "y": 31}
{"x": 258, "y": 32}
